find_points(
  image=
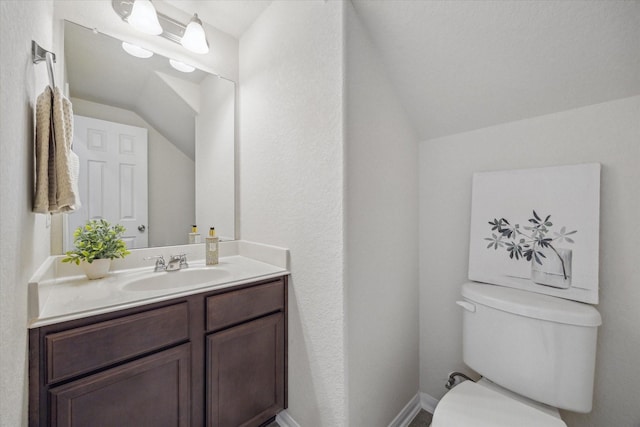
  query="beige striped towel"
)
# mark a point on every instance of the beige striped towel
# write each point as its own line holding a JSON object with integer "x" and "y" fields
{"x": 56, "y": 166}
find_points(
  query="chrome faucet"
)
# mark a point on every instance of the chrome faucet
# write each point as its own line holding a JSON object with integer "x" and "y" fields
{"x": 160, "y": 263}
{"x": 177, "y": 262}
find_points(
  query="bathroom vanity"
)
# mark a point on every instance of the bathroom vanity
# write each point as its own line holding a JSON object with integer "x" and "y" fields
{"x": 215, "y": 355}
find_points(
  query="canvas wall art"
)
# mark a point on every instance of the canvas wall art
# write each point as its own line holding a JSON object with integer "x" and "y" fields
{"x": 538, "y": 230}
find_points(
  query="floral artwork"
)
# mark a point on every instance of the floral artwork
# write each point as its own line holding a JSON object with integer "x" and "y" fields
{"x": 537, "y": 230}
{"x": 529, "y": 242}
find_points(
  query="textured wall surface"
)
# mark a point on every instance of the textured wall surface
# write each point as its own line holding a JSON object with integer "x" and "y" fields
{"x": 291, "y": 186}
{"x": 381, "y": 239}
{"x": 607, "y": 133}
{"x": 24, "y": 237}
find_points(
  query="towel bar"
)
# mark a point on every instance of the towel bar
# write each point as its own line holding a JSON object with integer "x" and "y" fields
{"x": 39, "y": 54}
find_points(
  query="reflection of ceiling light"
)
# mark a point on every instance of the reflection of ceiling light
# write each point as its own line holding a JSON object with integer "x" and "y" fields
{"x": 181, "y": 66}
{"x": 194, "y": 37}
{"x": 144, "y": 17}
{"x": 136, "y": 51}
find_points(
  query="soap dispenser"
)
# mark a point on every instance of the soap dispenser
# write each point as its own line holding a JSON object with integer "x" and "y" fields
{"x": 194, "y": 236}
{"x": 211, "y": 247}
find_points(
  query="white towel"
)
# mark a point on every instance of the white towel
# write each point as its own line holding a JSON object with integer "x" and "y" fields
{"x": 57, "y": 166}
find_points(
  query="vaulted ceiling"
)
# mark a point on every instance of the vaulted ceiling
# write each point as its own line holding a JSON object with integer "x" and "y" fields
{"x": 468, "y": 64}
{"x": 464, "y": 65}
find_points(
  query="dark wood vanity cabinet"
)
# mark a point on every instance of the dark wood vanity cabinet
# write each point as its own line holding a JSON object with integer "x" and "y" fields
{"x": 216, "y": 359}
{"x": 245, "y": 362}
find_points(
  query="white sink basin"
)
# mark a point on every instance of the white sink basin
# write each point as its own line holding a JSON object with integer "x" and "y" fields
{"x": 177, "y": 279}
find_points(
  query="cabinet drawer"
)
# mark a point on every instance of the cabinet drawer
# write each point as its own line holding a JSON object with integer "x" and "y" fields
{"x": 245, "y": 304}
{"x": 84, "y": 349}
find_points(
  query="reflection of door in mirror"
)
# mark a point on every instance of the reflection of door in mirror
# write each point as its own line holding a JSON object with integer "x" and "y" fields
{"x": 113, "y": 178}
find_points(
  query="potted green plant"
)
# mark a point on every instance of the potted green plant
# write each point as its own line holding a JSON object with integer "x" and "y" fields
{"x": 96, "y": 244}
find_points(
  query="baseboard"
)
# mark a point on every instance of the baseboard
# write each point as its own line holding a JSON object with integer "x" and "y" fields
{"x": 285, "y": 420}
{"x": 408, "y": 413}
{"x": 403, "y": 419}
{"x": 428, "y": 402}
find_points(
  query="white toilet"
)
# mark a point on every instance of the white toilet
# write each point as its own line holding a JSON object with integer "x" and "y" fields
{"x": 536, "y": 354}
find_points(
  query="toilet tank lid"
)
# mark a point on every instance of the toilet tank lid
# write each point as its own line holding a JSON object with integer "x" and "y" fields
{"x": 530, "y": 304}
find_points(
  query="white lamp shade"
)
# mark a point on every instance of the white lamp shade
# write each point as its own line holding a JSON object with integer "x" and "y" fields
{"x": 144, "y": 18}
{"x": 194, "y": 37}
{"x": 136, "y": 51}
{"x": 181, "y": 66}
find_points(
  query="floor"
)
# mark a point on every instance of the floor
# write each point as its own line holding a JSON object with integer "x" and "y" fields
{"x": 423, "y": 419}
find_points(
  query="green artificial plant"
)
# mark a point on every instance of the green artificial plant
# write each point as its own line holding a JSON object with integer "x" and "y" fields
{"x": 97, "y": 240}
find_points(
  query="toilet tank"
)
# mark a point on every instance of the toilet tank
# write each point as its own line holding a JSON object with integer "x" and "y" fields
{"x": 536, "y": 345}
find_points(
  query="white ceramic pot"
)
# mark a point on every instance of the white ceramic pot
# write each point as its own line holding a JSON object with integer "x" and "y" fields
{"x": 97, "y": 269}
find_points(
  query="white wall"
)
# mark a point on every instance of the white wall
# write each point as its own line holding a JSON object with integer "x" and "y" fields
{"x": 291, "y": 186}
{"x": 24, "y": 237}
{"x": 608, "y": 133}
{"x": 171, "y": 195}
{"x": 381, "y": 239}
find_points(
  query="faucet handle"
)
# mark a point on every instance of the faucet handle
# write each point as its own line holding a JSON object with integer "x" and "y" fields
{"x": 183, "y": 261}
{"x": 160, "y": 263}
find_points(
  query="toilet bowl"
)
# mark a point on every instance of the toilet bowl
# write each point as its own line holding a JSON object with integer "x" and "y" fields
{"x": 485, "y": 404}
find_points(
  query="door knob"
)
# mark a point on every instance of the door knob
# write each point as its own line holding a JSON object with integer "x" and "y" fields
{"x": 141, "y": 228}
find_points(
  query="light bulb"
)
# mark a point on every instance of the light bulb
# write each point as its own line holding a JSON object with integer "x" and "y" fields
{"x": 144, "y": 18}
{"x": 194, "y": 37}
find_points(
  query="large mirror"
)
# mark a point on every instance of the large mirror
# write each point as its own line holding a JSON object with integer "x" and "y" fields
{"x": 156, "y": 144}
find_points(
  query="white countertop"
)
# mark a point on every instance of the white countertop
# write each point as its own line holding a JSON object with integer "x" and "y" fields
{"x": 58, "y": 293}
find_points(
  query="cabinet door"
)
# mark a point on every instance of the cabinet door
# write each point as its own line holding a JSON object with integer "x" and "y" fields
{"x": 245, "y": 373}
{"x": 152, "y": 391}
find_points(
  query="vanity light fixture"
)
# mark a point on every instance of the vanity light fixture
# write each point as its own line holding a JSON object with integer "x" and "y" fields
{"x": 181, "y": 66}
{"x": 137, "y": 51}
{"x": 144, "y": 17}
{"x": 192, "y": 36}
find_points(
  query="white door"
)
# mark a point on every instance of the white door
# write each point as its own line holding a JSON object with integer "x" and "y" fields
{"x": 113, "y": 178}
